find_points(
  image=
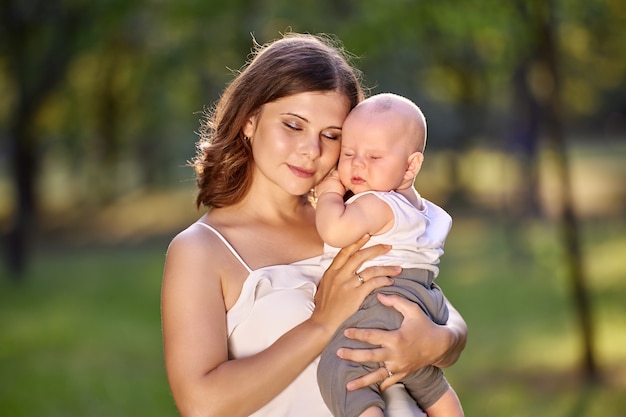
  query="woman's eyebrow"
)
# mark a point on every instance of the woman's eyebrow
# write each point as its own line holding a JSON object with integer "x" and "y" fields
{"x": 295, "y": 115}
{"x": 307, "y": 120}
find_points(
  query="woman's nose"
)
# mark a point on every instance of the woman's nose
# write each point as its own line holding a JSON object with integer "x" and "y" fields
{"x": 310, "y": 146}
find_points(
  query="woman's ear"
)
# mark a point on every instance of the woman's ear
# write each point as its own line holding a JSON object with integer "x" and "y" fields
{"x": 414, "y": 165}
{"x": 250, "y": 126}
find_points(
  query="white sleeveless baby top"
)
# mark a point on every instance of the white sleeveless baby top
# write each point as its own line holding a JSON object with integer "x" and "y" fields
{"x": 417, "y": 235}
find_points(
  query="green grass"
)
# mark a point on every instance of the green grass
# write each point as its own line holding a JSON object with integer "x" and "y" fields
{"x": 524, "y": 352}
{"x": 81, "y": 335}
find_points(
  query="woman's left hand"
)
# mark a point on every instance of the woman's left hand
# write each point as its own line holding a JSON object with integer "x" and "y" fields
{"x": 417, "y": 343}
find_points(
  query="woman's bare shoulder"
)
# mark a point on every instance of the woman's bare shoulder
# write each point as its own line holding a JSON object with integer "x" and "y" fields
{"x": 194, "y": 248}
{"x": 199, "y": 257}
{"x": 195, "y": 238}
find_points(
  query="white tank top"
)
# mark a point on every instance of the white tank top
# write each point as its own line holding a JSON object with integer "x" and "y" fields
{"x": 273, "y": 300}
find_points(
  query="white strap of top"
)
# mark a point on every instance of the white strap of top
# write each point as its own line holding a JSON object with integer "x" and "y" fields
{"x": 227, "y": 244}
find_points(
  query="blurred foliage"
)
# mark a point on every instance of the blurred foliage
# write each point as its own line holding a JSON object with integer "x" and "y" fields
{"x": 135, "y": 73}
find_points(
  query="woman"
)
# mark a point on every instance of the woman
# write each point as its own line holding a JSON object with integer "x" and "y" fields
{"x": 245, "y": 314}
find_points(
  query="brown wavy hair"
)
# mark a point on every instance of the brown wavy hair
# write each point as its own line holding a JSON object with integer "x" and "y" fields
{"x": 295, "y": 63}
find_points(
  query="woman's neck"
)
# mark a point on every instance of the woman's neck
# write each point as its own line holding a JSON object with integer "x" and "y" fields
{"x": 256, "y": 227}
{"x": 263, "y": 207}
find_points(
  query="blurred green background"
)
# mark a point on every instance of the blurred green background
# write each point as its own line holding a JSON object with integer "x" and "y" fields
{"x": 526, "y": 107}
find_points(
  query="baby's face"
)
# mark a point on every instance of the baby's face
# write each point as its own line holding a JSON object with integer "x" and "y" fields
{"x": 374, "y": 151}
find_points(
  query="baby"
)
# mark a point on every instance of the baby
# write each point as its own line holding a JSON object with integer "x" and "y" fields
{"x": 382, "y": 147}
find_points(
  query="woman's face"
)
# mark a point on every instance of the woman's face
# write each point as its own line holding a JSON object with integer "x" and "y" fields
{"x": 296, "y": 139}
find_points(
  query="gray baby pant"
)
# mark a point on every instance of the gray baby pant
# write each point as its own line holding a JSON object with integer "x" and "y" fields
{"x": 426, "y": 386}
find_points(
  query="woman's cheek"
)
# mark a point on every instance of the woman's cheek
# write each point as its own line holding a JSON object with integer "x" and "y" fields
{"x": 333, "y": 151}
{"x": 326, "y": 168}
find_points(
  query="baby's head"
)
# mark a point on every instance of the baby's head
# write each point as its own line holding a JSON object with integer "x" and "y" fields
{"x": 394, "y": 108}
{"x": 383, "y": 141}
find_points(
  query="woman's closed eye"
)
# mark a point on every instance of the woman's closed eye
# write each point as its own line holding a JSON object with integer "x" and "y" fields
{"x": 332, "y": 135}
{"x": 292, "y": 125}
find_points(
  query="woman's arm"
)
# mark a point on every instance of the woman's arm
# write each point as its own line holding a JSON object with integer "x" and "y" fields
{"x": 458, "y": 333}
{"x": 203, "y": 380}
{"x": 417, "y": 343}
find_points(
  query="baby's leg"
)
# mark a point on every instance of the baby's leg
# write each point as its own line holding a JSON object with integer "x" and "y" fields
{"x": 373, "y": 412}
{"x": 446, "y": 406}
{"x": 334, "y": 373}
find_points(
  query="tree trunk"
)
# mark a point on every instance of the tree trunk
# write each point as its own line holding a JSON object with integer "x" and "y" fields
{"x": 36, "y": 65}
{"x": 23, "y": 169}
{"x": 547, "y": 49}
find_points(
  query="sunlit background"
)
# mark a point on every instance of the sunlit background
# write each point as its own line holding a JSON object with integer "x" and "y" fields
{"x": 526, "y": 109}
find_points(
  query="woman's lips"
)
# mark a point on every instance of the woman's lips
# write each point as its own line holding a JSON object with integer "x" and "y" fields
{"x": 301, "y": 172}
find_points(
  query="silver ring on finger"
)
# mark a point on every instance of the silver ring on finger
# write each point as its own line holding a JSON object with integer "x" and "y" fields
{"x": 359, "y": 277}
{"x": 389, "y": 373}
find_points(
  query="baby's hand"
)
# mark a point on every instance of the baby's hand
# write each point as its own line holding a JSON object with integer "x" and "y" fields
{"x": 330, "y": 184}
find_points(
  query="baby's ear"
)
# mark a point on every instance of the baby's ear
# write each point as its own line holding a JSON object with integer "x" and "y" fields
{"x": 414, "y": 165}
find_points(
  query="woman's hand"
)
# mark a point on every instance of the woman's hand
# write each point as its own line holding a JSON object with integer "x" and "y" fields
{"x": 417, "y": 343}
{"x": 341, "y": 290}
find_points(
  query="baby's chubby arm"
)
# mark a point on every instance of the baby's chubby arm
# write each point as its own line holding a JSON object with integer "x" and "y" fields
{"x": 339, "y": 224}
{"x": 331, "y": 184}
